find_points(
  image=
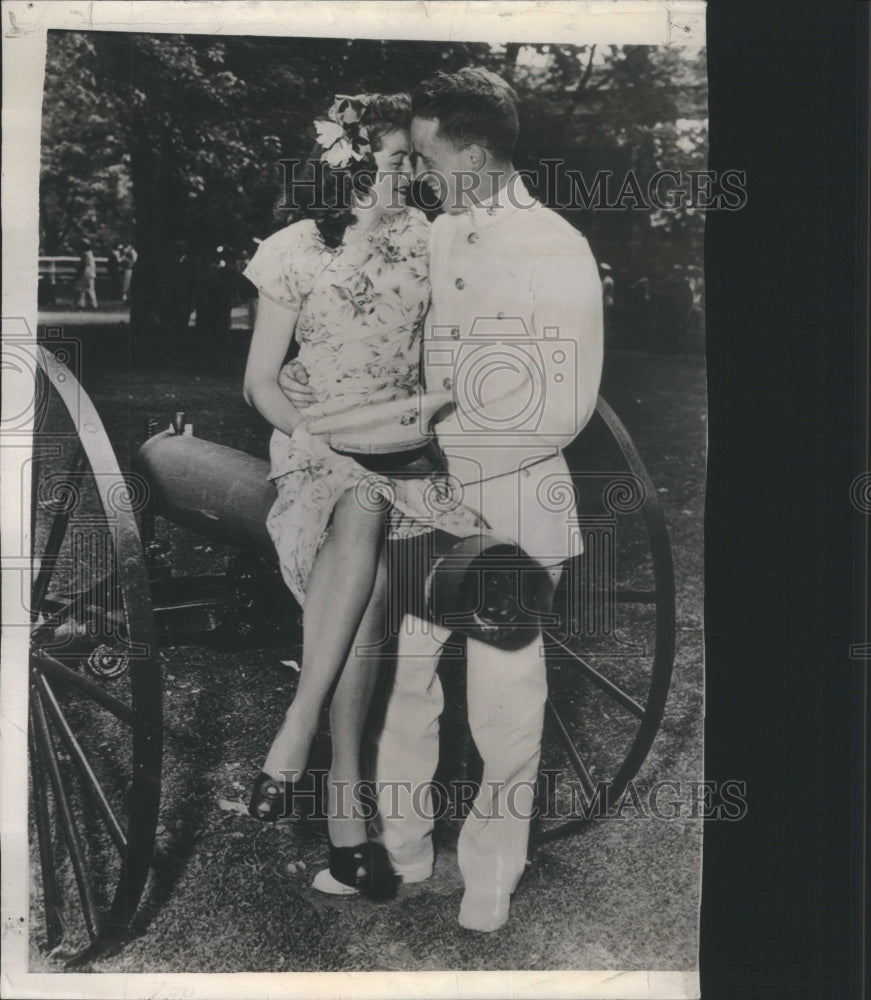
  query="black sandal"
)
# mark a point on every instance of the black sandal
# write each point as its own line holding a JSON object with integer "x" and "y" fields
{"x": 271, "y": 800}
{"x": 363, "y": 869}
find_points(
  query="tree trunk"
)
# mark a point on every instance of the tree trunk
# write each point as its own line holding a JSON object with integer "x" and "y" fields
{"x": 159, "y": 218}
{"x": 509, "y": 61}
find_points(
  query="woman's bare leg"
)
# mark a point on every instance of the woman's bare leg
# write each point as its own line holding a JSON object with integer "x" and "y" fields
{"x": 348, "y": 709}
{"x": 339, "y": 590}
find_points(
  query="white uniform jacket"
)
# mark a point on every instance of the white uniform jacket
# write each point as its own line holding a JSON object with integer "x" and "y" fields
{"x": 515, "y": 331}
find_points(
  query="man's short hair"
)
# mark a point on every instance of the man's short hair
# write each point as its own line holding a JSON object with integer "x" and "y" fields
{"x": 472, "y": 105}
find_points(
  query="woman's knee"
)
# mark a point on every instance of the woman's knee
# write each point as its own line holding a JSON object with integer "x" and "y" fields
{"x": 350, "y": 514}
{"x": 363, "y": 508}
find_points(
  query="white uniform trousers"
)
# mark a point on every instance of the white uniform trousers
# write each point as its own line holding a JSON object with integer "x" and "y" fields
{"x": 506, "y": 698}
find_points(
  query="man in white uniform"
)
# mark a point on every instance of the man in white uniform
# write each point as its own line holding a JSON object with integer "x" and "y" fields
{"x": 515, "y": 330}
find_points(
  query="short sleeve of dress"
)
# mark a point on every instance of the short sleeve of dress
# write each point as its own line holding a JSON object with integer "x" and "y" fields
{"x": 282, "y": 266}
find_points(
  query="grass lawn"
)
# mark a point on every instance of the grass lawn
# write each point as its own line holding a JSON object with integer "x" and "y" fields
{"x": 229, "y": 895}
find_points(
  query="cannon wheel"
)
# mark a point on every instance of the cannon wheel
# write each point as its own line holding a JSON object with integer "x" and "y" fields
{"x": 609, "y": 671}
{"x": 95, "y": 731}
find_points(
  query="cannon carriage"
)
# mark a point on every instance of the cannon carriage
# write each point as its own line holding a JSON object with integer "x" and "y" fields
{"x": 105, "y": 599}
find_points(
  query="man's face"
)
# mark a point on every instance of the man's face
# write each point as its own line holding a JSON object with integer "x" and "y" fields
{"x": 444, "y": 168}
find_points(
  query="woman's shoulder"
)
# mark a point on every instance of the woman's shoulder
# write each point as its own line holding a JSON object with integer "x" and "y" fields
{"x": 293, "y": 237}
{"x": 284, "y": 263}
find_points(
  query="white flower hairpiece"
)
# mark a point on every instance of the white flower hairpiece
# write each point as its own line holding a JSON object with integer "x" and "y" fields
{"x": 341, "y": 136}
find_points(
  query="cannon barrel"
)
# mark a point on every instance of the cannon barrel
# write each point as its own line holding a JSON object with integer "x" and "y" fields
{"x": 480, "y": 586}
{"x": 218, "y": 491}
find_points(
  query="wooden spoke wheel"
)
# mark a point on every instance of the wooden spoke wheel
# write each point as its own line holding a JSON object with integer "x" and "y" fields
{"x": 95, "y": 731}
{"x": 611, "y": 654}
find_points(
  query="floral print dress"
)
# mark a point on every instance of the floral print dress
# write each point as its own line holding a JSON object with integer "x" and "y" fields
{"x": 361, "y": 308}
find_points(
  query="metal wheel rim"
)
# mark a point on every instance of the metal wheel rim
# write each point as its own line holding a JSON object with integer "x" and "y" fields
{"x": 664, "y": 648}
{"x": 144, "y": 719}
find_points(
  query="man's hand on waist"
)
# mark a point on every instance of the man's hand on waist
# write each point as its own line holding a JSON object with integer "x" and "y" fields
{"x": 293, "y": 380}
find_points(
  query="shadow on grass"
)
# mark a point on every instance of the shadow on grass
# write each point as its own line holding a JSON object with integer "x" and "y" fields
{"x": 189, "y": 749}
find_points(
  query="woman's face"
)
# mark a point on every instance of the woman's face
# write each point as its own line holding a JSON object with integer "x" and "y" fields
{"x": 394, "y": 176}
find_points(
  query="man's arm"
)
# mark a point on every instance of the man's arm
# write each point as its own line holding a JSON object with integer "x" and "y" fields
{"x": 569, "y": 330}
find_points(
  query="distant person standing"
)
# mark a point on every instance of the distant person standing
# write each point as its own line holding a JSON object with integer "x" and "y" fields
{"x": 86, "y": 277}
{"x": 215, "y": 297}
{"x": 115, "y": 267}
{"x": 128, "y": 262}
{"x": 182, "y": 287}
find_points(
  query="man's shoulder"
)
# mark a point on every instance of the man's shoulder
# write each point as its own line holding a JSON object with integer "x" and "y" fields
{"x": 549, "y": 232}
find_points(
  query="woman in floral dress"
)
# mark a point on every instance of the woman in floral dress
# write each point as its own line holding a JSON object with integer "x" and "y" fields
{"x": 352, "y": 287}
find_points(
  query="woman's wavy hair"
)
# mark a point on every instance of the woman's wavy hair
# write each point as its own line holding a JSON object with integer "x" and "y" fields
{"x": 332, "y": 211}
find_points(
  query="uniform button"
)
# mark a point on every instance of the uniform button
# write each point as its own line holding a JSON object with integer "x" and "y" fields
{"x": 472, "y": 237}
{"x": 500, "y": 315}
{"x": 455, "y": 333}
{"x": 460, "y": 283}
{"x": 447, "y": 383}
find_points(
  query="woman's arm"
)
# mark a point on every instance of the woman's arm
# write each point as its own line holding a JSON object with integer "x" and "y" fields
{"x": 273, "y": 330}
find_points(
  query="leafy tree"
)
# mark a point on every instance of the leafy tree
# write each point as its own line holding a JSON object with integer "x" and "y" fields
{"x": 631, "y": 109}
{"x": 84, "y": 186}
